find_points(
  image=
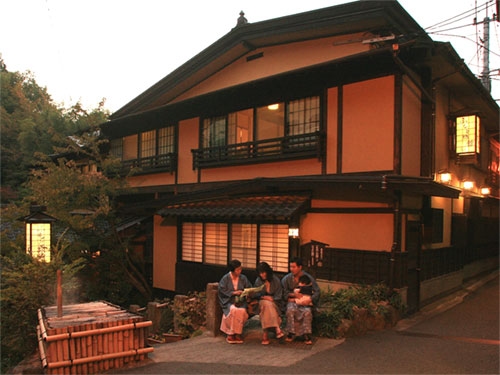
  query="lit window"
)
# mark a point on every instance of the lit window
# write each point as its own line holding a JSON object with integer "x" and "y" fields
{"x": 166, "y": 140}
{"x": 240, "y": 126}
{"x": 148, "y": 144}
{"x": 209, "y": 243}
{"x": 244, "y": 243}
{"x": 216, "y": 243}
{"x": 192, "y": 242}
{"x": 270, "y": 122}
{"x": 274, "y": 246}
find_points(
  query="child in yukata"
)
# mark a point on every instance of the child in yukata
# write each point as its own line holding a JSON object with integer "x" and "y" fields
{"x": 304, "y": 291}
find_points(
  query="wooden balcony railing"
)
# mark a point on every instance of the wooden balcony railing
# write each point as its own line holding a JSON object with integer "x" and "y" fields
{"x": 157, "y": 163}
{"x": 300, "y": 146}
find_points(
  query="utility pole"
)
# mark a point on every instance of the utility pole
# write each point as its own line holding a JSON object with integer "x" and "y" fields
{"x": 485, "y": 75}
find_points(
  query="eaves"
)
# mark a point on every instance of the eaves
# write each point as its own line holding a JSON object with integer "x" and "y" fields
{"x": 370, "y": 16}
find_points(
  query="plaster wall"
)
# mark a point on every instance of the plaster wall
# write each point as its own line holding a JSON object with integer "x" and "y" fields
{"x": 277, "y": 169}
{"x": 188, "y": 140}
{"x": 164, "y": 253}
{"x": 349, "y": 231}
{"x": 278, "y": 59}
{"x": 368, "y": 126}
{"x": 151, "y": 180}
{"x": 411, "y": 120}
{"x": 441, "y": 130}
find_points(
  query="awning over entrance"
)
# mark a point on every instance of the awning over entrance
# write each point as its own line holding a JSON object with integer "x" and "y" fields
{"x": 280, "y": 198}
{"x": 277, "y": 207}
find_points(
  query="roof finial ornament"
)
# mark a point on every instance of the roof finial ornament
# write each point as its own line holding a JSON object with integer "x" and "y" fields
{"x": 241, "y": 19}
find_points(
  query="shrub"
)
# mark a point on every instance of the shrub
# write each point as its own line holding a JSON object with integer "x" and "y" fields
{"x": 339, "y": 306}
{"x": 190, "y": 315}
{"x": 184, "y": 315}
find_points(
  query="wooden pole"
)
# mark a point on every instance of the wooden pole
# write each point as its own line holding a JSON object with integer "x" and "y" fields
{"x": 59, "y": 294}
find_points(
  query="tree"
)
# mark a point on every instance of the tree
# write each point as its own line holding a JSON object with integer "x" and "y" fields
{"x": 114, "y": 269}
{"x": 27, "y": 285}
{"x": 44, "y": 151}
{"x": 31, "y": 123}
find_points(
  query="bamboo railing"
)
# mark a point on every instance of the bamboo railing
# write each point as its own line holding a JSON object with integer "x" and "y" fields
{"x": 90, "y": 338}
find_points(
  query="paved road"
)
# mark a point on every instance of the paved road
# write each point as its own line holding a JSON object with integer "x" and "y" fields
{"x": 461, "y": 340}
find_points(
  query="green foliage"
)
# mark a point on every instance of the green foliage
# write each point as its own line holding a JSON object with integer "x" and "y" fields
{"x": 27, "y": 285}
{"x": 190, "y": 315}
{"x": 326, "y": 322}
{"x": 340, "y": 305}
{"x": 43, "y": 148}
{"x": 185, "y": 316}
{"x": 167, "y": 317}
{"x": 32, "y": 123}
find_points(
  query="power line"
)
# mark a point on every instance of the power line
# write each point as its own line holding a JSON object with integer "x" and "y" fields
{"x": 482, "y": 44}
{"x": 466, "y": 14}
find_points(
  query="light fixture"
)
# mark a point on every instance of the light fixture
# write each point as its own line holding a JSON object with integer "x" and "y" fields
{"x": 467, "y": 135}
{"x": 444, "y": 177}
{"x": 293, "y": 232}
{"x": 468, "y": 185}
{"x": 38, "y": 233}
{"x": 485, "y": 190}
{"x": 273, "y": 107}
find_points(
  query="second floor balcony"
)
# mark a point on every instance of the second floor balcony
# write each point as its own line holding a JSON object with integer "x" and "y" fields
{"x": 301, "y": 146}
{"x": 150, "y": 164}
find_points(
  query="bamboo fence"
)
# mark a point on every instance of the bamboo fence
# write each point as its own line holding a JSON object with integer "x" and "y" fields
{"x": 90, "y": 338}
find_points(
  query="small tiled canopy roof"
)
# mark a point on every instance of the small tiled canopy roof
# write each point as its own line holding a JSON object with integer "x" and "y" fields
{"x": 281, "y": 207}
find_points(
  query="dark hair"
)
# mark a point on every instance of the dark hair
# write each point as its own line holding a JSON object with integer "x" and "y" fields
{"x": 235, "y": 263}
{"x": 304, "y": 279}
{"x": 297, "y": 261}
{"x": 263, "y": 267}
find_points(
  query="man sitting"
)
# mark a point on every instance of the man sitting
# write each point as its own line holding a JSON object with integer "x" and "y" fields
{"x": 298, "y": 317}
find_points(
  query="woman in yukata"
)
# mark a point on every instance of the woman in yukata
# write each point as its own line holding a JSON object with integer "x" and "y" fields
{"x": 270, "y": 299}
{"x": 234, "y": 311}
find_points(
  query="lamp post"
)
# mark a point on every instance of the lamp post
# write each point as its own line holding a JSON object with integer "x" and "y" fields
{"x": 39, "y": 241}
{"x": 38, "y": 233}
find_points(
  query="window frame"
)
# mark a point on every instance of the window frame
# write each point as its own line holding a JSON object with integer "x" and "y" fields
{"x": 277, "y": 260}
{"x": 288, "y": 143}
{"x": 149, "y": 151}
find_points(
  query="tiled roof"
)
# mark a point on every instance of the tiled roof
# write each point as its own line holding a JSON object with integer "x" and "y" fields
{"x": 261, "y": 207}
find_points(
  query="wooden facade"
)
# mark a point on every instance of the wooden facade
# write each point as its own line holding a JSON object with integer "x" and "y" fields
{"x": 349, "y": 111}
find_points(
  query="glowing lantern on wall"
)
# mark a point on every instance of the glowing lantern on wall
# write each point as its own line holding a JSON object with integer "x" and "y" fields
{"x": 467, "y": 135}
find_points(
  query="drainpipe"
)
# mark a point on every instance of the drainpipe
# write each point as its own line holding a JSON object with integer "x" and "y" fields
{"x": 396, "y": 246}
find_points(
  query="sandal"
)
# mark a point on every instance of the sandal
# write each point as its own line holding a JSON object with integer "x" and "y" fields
{"x": 279, "y": 334}
{"x": 265, "y": 339}
{"x": 308, "y": 340}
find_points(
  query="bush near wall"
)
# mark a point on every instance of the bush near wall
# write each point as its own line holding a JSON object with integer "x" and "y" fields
{"x": 357, "y": 310}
